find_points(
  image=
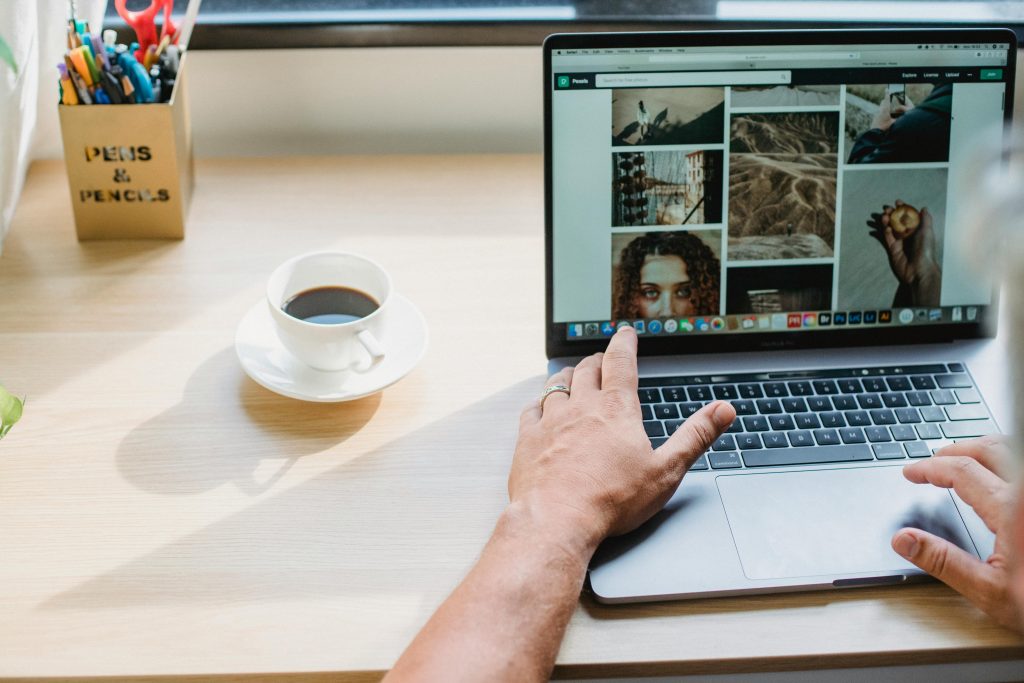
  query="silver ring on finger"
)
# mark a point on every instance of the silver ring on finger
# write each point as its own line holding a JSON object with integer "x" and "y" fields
{"x": 551, "y": 390}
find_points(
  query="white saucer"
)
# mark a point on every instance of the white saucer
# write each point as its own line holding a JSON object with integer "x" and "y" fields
{"x": 266, "y": 361}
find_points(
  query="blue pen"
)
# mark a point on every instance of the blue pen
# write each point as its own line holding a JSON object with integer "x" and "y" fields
{"x": 138, "y": 76}
{"x": 100, "y": 97}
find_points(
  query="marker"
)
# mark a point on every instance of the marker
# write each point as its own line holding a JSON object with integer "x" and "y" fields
{"x": 68, "y": 95}
{"x": 81, "y": 66}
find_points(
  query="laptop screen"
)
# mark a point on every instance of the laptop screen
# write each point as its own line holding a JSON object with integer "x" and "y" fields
{"x": 775, "y": 188}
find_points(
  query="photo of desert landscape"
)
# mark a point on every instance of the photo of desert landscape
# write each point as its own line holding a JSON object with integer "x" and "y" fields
{"x": 667, "y": 188}
{"x": 782, "y": 185}
{"x": 785, "y": 96}
{"x": 668, "y": 116}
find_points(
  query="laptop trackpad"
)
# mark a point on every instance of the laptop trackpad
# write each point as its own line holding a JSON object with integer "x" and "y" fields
{"x": 838, "y": 521}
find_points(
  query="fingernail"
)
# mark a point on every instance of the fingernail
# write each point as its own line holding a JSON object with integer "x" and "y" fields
{"x": 905, "y": 545}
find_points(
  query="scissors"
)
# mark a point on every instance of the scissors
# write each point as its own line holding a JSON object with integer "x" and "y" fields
{"x": 143, "y": 22}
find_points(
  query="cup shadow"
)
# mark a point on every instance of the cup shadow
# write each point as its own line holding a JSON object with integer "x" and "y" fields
{"x": 210, "y": 433}
{"x": 365, "y": 525}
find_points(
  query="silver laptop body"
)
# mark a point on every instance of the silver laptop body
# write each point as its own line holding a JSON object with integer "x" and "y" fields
{"x": 724, "y": 193}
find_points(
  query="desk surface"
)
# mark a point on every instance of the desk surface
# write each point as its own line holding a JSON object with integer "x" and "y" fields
{"x": 161, "y": 514}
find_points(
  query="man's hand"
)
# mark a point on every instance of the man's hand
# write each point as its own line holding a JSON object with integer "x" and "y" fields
{"x": 585, "y": 465}
{"x": 913, "y": 259}
{"x": 976, "y": 470}
{"x": 887, "y": 114}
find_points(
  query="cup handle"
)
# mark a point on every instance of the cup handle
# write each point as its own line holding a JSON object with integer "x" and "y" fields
{"x": 373, "y": 348}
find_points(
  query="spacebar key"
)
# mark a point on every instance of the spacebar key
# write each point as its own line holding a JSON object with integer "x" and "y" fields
{"x": 768, "y": 457}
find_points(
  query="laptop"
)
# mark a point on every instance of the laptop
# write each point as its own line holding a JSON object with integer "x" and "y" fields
{"x": 778, "y": 215}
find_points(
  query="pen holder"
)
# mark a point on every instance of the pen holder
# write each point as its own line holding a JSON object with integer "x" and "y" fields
{"x": 130, "y": 166}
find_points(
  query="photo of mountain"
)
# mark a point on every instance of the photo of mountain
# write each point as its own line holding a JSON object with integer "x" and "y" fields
{"x": 782, "y": 185}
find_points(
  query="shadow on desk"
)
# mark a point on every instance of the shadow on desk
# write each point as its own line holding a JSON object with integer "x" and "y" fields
{"x": 202, "y": 432}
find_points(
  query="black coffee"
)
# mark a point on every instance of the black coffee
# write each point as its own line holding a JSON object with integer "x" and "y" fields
{"x": 330, "y": 305}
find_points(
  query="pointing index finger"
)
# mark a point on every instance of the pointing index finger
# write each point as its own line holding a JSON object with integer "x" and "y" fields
{"x": 618, "y": 367}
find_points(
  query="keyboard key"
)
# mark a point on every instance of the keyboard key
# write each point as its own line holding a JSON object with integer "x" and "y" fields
{"x": 956, "y": 367}
{"x": 850, "y": 386}
{"x": 892, "y": 400}
{"x": 957, "y": 381}
{"x": 869, "y": 401}
{"x": 650, "y": 395}
{"x": 657, "y": 441}
{"x": 857, "y": 418}
{"x": 725, "y": 461}
{"x": 908, "y": 415}
{"x": 852, "y": 435}
{"x": 781, "y": 422}
{"x": 775, "y": 440}
{"x": 888, "y": 451}
{"x": 826, "y": 437}
{"x": 645, "y": 412}
{"x": 825, "y": 387}
{"x": 800, "y": 438}
{"x": 699, "y": 464}
{"x": 942, "y": 397}
{"x": 725, "y": 392}
{"x": 750, "y": 390}
{"x": 726, "y": 442}
{"x": 775, "y": 390}
{"x": 928, "y": 431}
{"x": 819, "y": 403}
{"x": 747, "y": 441}
{"x": 675, "y": 394}
{"x": 968, "y": 396}
{"x": 883, "y": 417}
{"x": 874, "y": 384}
{"x": 666, "y": 411}
{"x": 735, "y": 428}
{"x": 968, "y": 428}
{"x": 699, "y": 393}
{"x": 903, "y": 433}
{"x": 689, "y": 408}
{"x": 768, "y": 406}
{"x": 654, "y": 428}
{"x": 832, "y": 420}
{"x": 806, "y": 456}
{"x": 844, "y": 402}
{"x": 877, "y": 434}
{"x": 672, "y": 425}
{"x": 745, "y": 407}
{"x": 800, "y": 388}
{"x": 933, "y": 414}
{"x": 756, "y": 423}
{"x": 898, "y": 383}
{"x": 806, "y": 421}
{"x": 917, "y": 449}
{"x": 974, "y": 411}
{"x": 794, "y": 405}
{"x": 923, "y": 382}
{"x": 918, "y": 398}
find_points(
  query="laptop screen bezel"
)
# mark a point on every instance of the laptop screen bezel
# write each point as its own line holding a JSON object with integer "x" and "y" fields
{"x": 558, "y": 345}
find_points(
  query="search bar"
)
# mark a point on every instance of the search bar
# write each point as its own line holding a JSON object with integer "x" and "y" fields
{"x": 753, "y": 57}
{"x": 664, "y": 79}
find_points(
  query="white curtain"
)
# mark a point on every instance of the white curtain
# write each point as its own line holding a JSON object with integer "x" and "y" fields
{"x": 36, "y": 32}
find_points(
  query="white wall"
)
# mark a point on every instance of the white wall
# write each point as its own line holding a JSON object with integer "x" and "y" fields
{"x": 330, "y": 101}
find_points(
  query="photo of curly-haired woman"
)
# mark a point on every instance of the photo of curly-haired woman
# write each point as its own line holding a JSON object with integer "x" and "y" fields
{"x": 666, "y": 274}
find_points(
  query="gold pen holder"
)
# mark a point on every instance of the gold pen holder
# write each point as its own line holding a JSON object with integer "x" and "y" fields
{"x": 130, "y": 167}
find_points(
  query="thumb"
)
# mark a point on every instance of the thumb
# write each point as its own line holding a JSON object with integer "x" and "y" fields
{"x": 951, "y": 565}
{"x": 696, "y": 435}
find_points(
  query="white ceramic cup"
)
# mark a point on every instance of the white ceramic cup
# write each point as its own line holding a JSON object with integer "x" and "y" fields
{"x": 354, "y": 345}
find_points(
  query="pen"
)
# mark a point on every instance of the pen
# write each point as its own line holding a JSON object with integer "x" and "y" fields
{"x": 139, "y": 77}
{"x": 80, "y": 87}
{"x": 80, "y": 66}
{"x": 90, "y": 63}
{"x": 68, "y": 94}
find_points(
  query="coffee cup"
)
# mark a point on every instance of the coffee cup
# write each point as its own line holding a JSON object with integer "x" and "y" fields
{"x": 328, "y": 309}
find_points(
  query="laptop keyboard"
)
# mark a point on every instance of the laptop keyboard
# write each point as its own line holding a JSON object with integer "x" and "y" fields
{"x": 827, "y": 416}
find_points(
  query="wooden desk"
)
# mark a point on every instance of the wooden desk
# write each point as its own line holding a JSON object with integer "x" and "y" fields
{"x": 161, "y": 514}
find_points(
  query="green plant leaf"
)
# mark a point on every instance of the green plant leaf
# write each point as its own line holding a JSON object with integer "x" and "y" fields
{"x": 11, "y": 408}
{"x": 6, "y": 55}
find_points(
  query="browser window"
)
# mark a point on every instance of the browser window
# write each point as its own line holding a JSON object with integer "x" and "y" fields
{"x": 767, "y": 188}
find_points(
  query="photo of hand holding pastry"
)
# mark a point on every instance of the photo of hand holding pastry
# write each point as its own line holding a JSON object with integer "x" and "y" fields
{"x": 907, "y": 234}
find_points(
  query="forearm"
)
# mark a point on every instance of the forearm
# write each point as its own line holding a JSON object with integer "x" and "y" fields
{"x": 927, "y": 287}
{"x": 505, "y": 621}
